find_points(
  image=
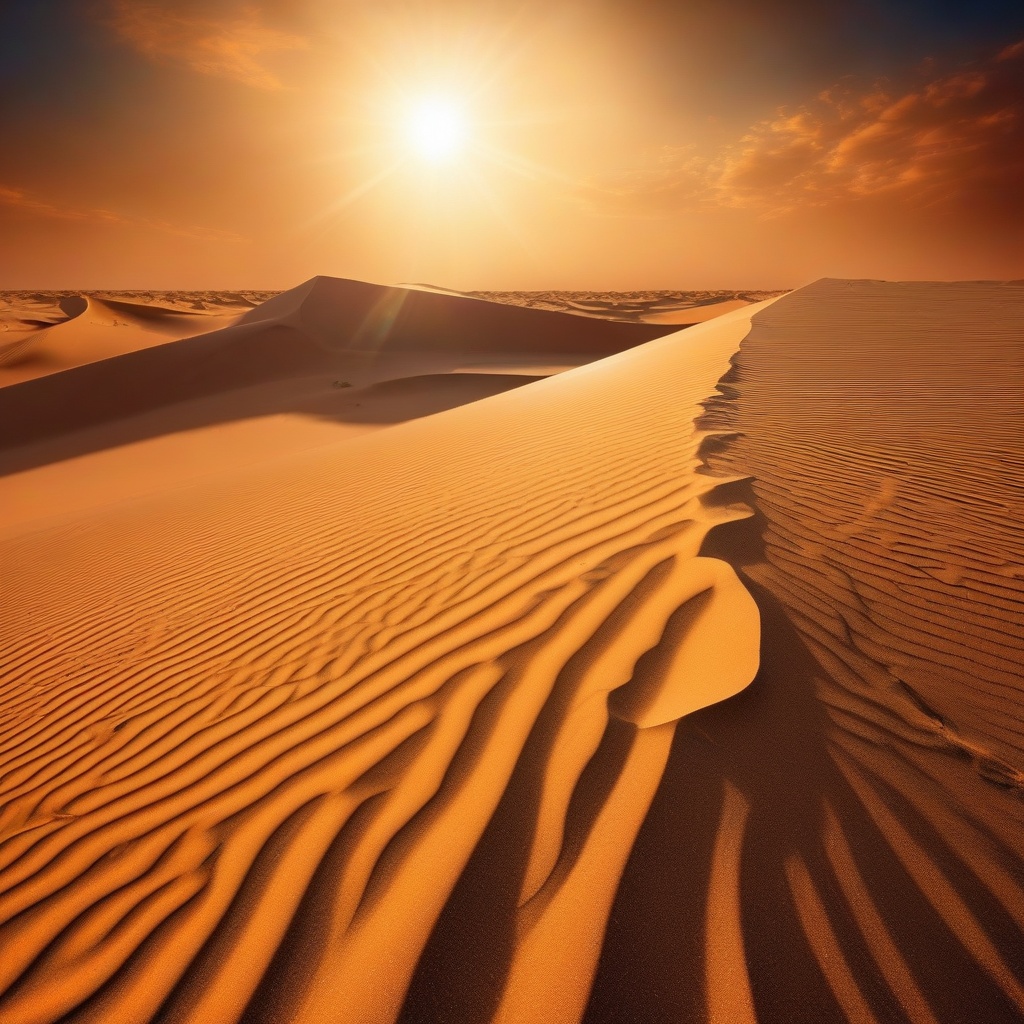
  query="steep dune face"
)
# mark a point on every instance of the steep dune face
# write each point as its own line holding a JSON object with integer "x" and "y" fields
{"x": 916, "y": 396}
{"x": 277, "y": 745}
{"x": 869, "y": 861}
{"x": 355, "y": 315}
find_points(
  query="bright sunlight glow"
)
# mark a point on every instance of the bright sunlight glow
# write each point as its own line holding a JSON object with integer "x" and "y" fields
{"x": 437, "y": 129}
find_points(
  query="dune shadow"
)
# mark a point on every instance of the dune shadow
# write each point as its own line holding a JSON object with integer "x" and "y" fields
{"x": 348, "y": 332}
{"x": 775, "y": 745}
{"x": 79, "y": 412}
{"x": 409, "y": 398}
{"x": 769, "y": 743}
{"x": 838, "y": 914}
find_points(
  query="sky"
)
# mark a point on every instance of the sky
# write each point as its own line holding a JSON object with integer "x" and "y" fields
{"x": 602, "y": 144}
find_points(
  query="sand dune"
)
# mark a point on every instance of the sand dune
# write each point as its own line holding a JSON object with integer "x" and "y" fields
{"x": 680, "y": 309}
{"x": 257, "y": 731}
{"x": 324, "y": 328}
{"x": 356, "y": 315}
{"x": 293, "y": 376}
{"x": 873, "y": 772}
{"x": 449, "y": 719}
{"x": 44, "y": 335}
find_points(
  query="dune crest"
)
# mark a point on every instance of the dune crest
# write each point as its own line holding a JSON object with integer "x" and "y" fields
{"x": 843, "y": 840}
{"x": 356, "y": 315}
{"x": 266, "y": 761}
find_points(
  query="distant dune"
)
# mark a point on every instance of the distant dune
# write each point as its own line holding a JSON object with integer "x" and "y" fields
{"x": 393, "y": 656}
{"x": 306, "y": 368}
{"x": 680, "y": 309}
{"x": 43, "y": 334}
{"x": 355, "y": 315}
{"x": 324, "y": 325}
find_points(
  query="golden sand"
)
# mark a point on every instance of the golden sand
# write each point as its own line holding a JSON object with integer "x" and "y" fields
{"x": 387, "y": 655}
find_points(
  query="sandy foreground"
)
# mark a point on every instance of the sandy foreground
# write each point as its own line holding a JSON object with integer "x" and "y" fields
{"x": 380, "y": 654}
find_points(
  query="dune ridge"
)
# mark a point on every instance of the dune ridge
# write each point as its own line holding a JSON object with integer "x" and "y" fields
{"x": 856, "y": 814}
{"x": 929, "y": 453}
{"x": 357, "y": 315}
{"x": 269, "y": 746}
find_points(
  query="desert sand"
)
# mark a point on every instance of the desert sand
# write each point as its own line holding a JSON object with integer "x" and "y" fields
{"x": 382, "y": 654}
{"x": 678, "y": 309}
{"x": 44, "y": 333}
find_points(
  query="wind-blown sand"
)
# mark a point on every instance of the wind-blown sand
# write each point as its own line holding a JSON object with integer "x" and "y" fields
{"x": 447, "y": 718}
{"x": 870, "y": 779}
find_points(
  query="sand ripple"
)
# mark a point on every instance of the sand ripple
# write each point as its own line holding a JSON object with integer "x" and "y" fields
{"x": 256, "y": 734}
{"x": 866, "y": 860}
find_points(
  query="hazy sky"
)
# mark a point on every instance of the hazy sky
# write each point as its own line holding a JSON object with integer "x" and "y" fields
{"x": 609, "y": 144}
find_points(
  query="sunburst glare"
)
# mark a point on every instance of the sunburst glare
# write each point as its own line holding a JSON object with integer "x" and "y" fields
{"x": 437, "y": 128}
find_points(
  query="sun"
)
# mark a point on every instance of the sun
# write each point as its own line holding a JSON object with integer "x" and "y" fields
{"x": 437, "y": 129}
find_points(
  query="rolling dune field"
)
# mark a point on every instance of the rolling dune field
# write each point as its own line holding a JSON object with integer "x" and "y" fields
{"x": 396, "y": 656}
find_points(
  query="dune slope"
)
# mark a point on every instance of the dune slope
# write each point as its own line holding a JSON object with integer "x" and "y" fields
{"x": 89, "y": 329}
{"x": 325, "y": 326}
{"x": 357, "y": 315}
{"x": 268, "y": 741}
{"x": 845, "y": 839}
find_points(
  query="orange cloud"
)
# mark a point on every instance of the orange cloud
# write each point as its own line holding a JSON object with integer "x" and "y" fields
{"x": 948, "y": 139}
{"x": 956, "y": 138}
{"x": 19, "y": 199}
{"x": 232, "y": 45}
